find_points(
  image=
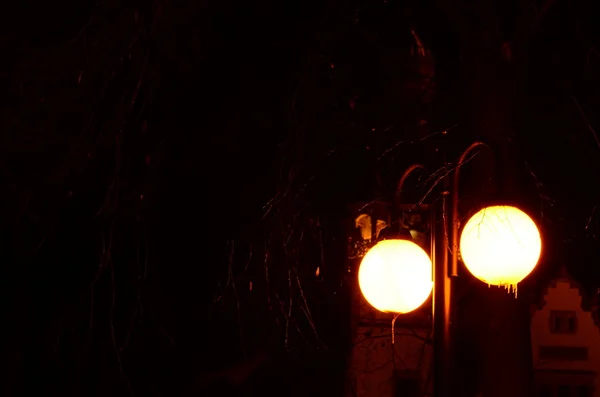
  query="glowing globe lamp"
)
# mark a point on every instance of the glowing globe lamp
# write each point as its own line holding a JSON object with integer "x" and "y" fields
{"x": 500, "y": 245}
{"x": 395, "y": 276}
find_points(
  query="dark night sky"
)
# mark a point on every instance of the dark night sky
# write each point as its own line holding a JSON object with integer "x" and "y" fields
{"x": 157, "y": 132}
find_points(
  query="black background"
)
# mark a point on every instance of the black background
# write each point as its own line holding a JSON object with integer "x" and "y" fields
{"x": 204, "y": 109}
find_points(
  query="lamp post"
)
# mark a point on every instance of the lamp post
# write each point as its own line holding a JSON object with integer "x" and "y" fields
{"x": 500, "y": 245}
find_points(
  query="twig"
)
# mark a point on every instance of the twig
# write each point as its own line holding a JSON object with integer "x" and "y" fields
{"x": 105, "y": 259}
{"x": 231, "y": 279}
{"x": 411, "y": 142}
{"x": 396, "y": 333}
{"x": 86, "y": 25}
{"x": 440, "y": 175}
{"x": 111, "y": 321}
{"x": 541, "y": 192}
{"x": 266, "y": 266}
{"x": 587, "y": 225}
{"x": 306, "y": 309}
{"x": 587, "y": 123}
{"x": 424, "y": 348}
{"x": 289, "y": 314}
{"x": 543, "y": 10}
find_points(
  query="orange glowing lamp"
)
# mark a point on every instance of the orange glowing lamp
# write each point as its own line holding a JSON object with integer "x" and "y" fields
{"x": 395, "y": 276}
{"x": 500, "y": 245}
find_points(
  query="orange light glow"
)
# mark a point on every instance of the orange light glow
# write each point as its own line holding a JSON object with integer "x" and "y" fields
{"x": 500, "y": 245}
{"x": 395, "y": 276}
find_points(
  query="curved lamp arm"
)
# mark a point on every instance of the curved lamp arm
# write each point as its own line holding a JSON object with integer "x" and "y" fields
{"x": 454, "y": 213}
{"x": 404, "y": 177}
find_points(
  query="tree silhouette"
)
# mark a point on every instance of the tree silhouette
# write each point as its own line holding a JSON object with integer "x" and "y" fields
{"x": 177, "y": 170}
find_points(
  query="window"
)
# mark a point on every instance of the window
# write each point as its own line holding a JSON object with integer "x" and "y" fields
{"x": 584, "y": 391}
{"x": 563, "y": 391}
{"x": 563, "y": 322}
{"x": 564, "y": 353}
{"x": 564, "y": 383}
{"x": 545, "y": 391}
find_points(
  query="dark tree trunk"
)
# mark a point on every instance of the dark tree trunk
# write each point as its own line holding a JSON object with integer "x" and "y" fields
{"x": 494, "y": 39}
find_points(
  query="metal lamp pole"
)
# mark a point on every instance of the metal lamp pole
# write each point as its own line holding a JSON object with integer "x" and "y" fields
{"x": 444, "y": 270}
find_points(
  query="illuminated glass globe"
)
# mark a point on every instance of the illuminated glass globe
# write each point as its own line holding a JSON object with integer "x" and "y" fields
{"x": 500, "y": 245}
{"x": 395, "y": 276}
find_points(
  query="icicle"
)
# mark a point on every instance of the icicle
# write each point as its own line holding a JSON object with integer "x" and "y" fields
{"x": 393, "y": 331}
{"x": 511, "y": 288}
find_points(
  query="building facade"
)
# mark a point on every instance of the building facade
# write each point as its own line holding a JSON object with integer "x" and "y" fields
{"x": 565, "y": 339}
{"x": 381, "y": 365}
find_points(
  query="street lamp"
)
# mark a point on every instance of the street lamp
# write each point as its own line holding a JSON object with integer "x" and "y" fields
{"x": 395, "y": 276}
{"x": 499, "y": 245}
